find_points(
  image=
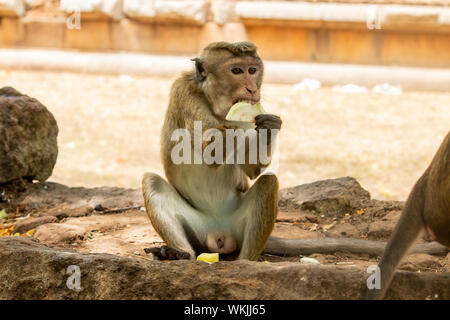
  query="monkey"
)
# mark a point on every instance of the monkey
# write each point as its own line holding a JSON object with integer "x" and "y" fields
{"x": 212, "y": 207}
{"x": 427, "y": 209}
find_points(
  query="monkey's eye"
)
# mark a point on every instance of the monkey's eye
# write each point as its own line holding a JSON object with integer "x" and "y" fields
{"x": 237, "y": 70}
{"x": 252, "y": 70}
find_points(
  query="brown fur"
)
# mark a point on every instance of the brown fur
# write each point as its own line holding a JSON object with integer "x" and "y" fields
{"x": 201, "y": 202}
{"x": 427, "y": 208}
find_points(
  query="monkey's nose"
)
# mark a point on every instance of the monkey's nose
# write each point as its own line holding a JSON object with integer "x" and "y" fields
{"x": 252, "y": 92}
{"x": 219, "y": 243}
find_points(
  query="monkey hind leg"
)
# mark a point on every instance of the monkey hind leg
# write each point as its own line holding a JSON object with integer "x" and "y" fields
{"x": 404, "y": 235}
{"x": 257, "y": 215}
{"x": 177, "y": 222}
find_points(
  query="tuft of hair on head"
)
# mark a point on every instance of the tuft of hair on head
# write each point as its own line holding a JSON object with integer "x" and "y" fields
{"x": 236, "y": 48}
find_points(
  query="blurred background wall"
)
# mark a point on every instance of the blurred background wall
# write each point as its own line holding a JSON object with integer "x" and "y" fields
{"x": 377, "y": 32}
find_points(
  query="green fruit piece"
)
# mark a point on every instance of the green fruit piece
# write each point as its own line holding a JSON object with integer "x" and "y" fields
{"x": 244, "y": 112}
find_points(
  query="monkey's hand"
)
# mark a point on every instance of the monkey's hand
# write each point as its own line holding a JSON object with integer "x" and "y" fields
{"x": 268, "y": 121}
{"x": 167, "y": 253}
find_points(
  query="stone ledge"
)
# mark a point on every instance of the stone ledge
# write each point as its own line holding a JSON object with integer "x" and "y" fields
{"x": 316, "y": 32}
{"x": 383, "y": 16}
{"x": 30, "y": 270}
{"x": 94, "y": 9}
{"x": 196, "y": 12}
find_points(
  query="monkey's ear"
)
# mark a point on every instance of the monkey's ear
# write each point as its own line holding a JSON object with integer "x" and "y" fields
{"x": 200, "y": 73}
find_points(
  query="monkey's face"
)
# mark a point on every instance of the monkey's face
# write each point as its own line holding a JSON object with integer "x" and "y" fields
{"x": 237, "y": 79}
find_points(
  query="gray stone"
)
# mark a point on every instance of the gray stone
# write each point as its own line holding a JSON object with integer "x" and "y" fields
{"x": 28, "y": 138}
{"x": 30, "y": 270}
{"x": 332, "y": 195}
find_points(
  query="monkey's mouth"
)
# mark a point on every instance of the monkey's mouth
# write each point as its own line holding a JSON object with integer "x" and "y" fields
{"x": 244, "y": 100}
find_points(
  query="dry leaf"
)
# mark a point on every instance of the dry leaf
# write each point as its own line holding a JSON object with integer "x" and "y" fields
{"x": 6, "y": 232}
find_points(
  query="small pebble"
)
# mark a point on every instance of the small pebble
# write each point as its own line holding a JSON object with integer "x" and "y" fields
{"x": 306, "y": 260}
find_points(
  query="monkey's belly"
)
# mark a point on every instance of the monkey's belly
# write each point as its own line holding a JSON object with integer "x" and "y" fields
{"x": 209, "y": 190}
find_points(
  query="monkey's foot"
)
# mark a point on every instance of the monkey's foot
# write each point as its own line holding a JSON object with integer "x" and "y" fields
{"x": 167, "y": 253}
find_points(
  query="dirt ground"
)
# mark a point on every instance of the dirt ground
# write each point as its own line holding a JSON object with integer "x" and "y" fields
{"x": 109, "y": 130}
{"x": 66, "y": 217}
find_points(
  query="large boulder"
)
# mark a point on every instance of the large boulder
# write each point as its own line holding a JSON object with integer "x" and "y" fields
{"x": 325, "y": 196}
{"x": 28, "y": 132}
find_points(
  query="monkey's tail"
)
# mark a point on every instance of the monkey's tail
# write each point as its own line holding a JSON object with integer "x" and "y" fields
{"x": 405, "y": 233}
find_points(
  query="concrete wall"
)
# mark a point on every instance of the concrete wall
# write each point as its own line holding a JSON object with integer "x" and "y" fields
{"x": 358, "y": 33}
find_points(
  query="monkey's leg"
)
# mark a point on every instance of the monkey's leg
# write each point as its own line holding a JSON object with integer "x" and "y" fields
{"x": 171, "y": 215}
{"x": 405, "y": 233}
{"x": 256, "y": 216}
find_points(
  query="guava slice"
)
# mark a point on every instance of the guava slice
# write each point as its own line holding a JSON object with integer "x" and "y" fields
{"x": 244, "y": 112}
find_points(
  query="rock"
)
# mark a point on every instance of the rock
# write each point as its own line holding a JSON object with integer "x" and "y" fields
{"x": 94, "y": 9}
{"x": 64, "y": 211}
{"x": 164, "y": 11}
{"x": 326, "y": 196}
{"x": 420, "y": 262}
{"x": 40, "y": 197}
{"x": 27, "y": 224}
{"x": 28, "y": 133}
{"x": 12, "y": 8}
{"x": 58, "y": 233}
{"x": 30, "y": 270}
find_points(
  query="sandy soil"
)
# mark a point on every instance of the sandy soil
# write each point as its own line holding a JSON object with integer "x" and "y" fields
{"x": 109, "y": 130}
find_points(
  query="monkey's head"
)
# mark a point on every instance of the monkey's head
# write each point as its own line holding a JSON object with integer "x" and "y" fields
{"x": 228, "y": 73}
